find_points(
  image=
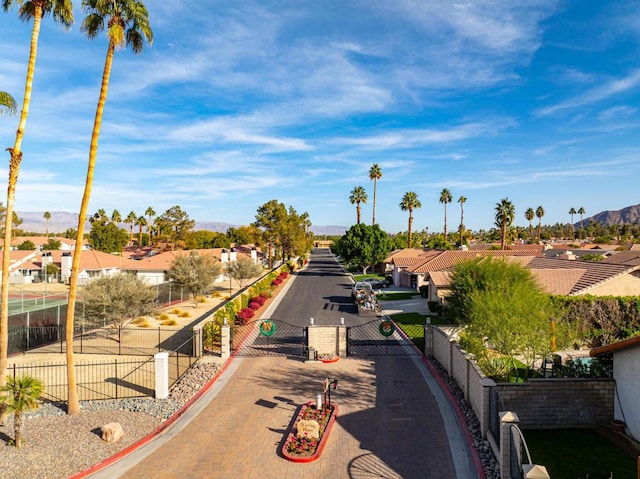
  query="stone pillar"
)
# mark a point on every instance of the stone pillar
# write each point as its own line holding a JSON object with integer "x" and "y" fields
{"x": 533, "y": 471}
{"x": 162, "y": 375}
{"x": 197, "y": 341}
{"x": 341, "y": 347}
{"x": 428, "y": 340}
{"x": 225, "y": 340}
{"x": 507, "y": 419}
{"x": 487, "y": 384}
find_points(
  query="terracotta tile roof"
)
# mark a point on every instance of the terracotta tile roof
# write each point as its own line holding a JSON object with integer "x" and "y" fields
{"x": 400, "y": 254}
{"x": 162, "y": 261}
{"x": 448, "y": 259}
{"x": 42, "y": 240}
{"x": 557, "y": 281}
{"x": 441, "y": 279}
{"x": 526, "y": 247}
{"x": 623, "y": 257}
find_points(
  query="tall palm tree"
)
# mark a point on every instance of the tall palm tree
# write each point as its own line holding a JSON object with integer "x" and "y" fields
{"x": 140, "y": 222}
{"x": 47, "y": 217}
{"x": 462, "y": 200}
{"x": 505, "y": 213}
{"x": 22, "y": 394}
{"x": 8, "y": 105}
{"x": 529, "y": 215}
{"x": 539, "y": 215}
{"x": 358, "y": 195}
{"x": 445, "y": 197}
{"x": 36, "y": 10}
{"x": 127, "y": 23}
{"x": 116, "y": 217}
{"x": 375, "y": 173}
{"x": 409, "y": 202}
{"x": 150, "y": 213}
{"x": 581, "y": 212}
{"x": 572, "y": 212}
{"x": 131, "y": 220}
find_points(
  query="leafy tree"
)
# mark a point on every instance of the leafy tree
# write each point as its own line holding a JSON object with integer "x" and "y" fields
{"x": 269, "y": 218}
{"x": 375, "y": 173}
{"x": 117, "y": 299}
{"x": 505, "y": 213}
{"x": 363, "y": 246}
{"x": 438, "y": 242}
{"x": 106, "y": 236}
{"x": 70, "y": 233}
{"x": 7, "y": 104}
{"x": 243, "y": 269}
{"x": 358, "y": 195}
{"x": 36, "y": 10}
{"x": 194, "y": 272}
{"x": 52, "y": 245}
{"x": 27, "y": 245}
{"x": 175, "y": 224}
{"x": 409, "y": 202}
{"x": 250, "y": 234}
{"x": 445, "y": 197}
{"x": 203, "y": 239}
{"x": 501, "y": 301}
{"x": 47, "y": 217}
{"x": 127, "y": 23}
{"x": 22, "y": 394}
{"x": 591, "y": 258}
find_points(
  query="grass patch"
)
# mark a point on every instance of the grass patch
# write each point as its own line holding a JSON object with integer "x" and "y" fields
{"x": 574, "y": 453}
{"x": 419, "y": 319}
{"x": 413, "y": 326}
{"x": 391, "y": 296}
{"x": 358, "y": 277}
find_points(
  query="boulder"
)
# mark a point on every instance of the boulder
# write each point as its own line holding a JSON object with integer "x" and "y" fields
{"x": 112, "y": 432}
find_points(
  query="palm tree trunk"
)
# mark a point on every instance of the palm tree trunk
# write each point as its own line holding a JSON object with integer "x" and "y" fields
{"x": 373, "y": 221}
{"x": 14, "y": 169}
{"x": 73, "y": 406}
{"x": 461, "y": 221}
{"x": 409, "y": 231}
{"x": 17, "y": 428}
{"x": 445, "y": 221}
{"x": 504, "y": 234}
{"x": 358, "y": 212}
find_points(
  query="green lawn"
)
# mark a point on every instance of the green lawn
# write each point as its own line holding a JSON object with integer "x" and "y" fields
{"x": 413, "y": 326}
{"x": 392, "y": 296}
{"x": 578, "y": 453}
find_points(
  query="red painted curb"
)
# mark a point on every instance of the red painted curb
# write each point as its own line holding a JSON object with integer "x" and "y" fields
{"x": 454, "y": 404}
{"x": 325, "y": 437}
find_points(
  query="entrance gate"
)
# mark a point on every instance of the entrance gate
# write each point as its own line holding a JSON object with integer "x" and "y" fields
{"x": 269, "y": 337}
{"x": 376, "y": 338}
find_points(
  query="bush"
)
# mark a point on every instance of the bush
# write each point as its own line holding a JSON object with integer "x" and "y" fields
{"x": 435, "y": 307}
{"x": 254, "y": 305}
{"x": 169, "y": 322}
{"x": 244, "y": 315}
{"x": 185, "y": 314}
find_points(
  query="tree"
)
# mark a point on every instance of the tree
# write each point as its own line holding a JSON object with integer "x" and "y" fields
{"x": 250, "y": 234}
{"x": 269, "y": 218}
{"x": 539, "y": 215}
{"x": 358, "y": 195}
{"x": 150, "y": 213}
{"x": 27, "y": 245}
{"x": 375, "y": 173}
{"x": 117, "y": 299}
{"x": 363, "y": 246}
{"x": 195, "y": 272}
{"x": 128, "y": 25}
{"x": 116, "y": 217}
{"x": 529, "y": 214}
{"x": 70, "y": 233}
{"x": 243, "y": 269}
{"x": 140, "y": 223}
{"x": 505, "y": 213}
{"x": 47, "y": 217}
{"x": 131, "y": 220}
{"x": 107, "y": 237}
{"x": 501, "y": 301}
{"x": 52, "y": 245}
{"x": 22, "y": 394}
{"x": 409, "y": 202}
{"x": 572, "y": 212}
{"x": 203, "y": 239}
{"x": 8, "y": 105}
{"x": 462, "y": 200}
{"x": 445, "y": 197}
{"x": 581, "y": 212}
{"x": 35, "y": 10}
{"x": 175, "y": 224}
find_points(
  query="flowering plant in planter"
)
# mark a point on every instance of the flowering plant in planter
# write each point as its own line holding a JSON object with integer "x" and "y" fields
{"x": 300, "y": 446}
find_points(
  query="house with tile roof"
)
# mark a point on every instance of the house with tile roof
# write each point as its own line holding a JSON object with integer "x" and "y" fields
{"x": 626, "y": 373}
{"x": 66, "y": 244}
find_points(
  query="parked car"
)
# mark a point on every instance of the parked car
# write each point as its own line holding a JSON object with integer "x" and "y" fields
{"x": 362, "y": 286}
{"x": 376, "y": 283}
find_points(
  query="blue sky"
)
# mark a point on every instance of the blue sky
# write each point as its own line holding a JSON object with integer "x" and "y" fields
{"x": 237, "y": 103}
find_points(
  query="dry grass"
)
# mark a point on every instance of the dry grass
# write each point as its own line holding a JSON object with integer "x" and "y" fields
{"x": 185, "y": 314}
{"x": 169, "y": 322}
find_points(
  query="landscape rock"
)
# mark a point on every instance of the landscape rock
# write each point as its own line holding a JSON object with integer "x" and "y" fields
{"x": 112, "y": 432}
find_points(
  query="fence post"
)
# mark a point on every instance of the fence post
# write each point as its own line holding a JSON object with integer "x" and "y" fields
{"x": 115, "y": 367}
{"x": 225, "y": 341}
{"x": 507, "y": 419}
{"x": 162, "y": 375}
{"x": 159, "y": 348}
{"x": 428, "y": 339}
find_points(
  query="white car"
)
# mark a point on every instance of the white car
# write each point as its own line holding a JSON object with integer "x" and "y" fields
{"x": 361, "y": 286}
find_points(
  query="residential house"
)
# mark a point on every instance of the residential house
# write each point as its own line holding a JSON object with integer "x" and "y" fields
{"x": 66, "y": 244}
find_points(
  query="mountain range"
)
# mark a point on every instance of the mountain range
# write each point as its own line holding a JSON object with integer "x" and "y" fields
{"x": 60, "y": 221}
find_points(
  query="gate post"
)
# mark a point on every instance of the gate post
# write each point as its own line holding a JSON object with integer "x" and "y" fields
{"x": 507, "y": 419}
{"x": 162, "y": 375}
{"x": 225, "y": 341}
{"x": 428, "y": 339}
{"x": 341, "y": 347}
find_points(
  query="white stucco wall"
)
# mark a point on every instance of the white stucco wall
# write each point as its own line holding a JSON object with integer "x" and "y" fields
{"x": 626, "y": 372}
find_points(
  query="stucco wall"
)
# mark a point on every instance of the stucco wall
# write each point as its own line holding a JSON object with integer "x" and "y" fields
{"x": 625, "y": 285}
{"x": 626, "y": 371}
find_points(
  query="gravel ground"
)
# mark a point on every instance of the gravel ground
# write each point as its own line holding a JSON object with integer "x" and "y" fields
{"x": 56, "y": 446}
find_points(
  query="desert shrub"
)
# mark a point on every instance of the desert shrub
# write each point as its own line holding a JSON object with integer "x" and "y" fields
{"x": 185, "y": 314}
{"x": 201, "y": 299}
{"x": 216, "y": 294}
{"x": 244, "y": 315}
{"x": 176, "y": 311}
{"x": 144, "y": 323}
{"x": 169, "y": 322}
{"x": 163, "y": 317}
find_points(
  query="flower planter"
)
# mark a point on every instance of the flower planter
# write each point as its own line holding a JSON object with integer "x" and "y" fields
{"x": 330, "y": 360}
{"x": 618, "y": 426}
{"x": 301, "y": 448}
